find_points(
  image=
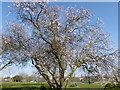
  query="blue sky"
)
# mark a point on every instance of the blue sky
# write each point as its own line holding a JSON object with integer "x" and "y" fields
{"x": 107, "y": 11}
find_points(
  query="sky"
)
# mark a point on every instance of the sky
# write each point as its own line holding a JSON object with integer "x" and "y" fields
{"x": 66, "y": 0}
{"x": 106, "y": 11}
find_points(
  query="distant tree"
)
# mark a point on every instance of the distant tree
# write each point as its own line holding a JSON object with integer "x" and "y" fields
{"x": 17, "y": 78}
{"x": 32, "y": 78}
{"x": 25, "y": 77}
{"x": 41, "y": 79}
{"x": 55, "y": 41}
{"x": 75, "y": 79}
{"x": 88, "y": 79}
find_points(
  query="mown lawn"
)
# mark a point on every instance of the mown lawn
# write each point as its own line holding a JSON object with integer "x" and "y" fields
{"x": 45, "y": 86}
{"x": 86, "y": 85}
{"x": 23, "y": 85}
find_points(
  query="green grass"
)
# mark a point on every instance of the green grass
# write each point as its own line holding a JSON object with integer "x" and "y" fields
{"x": 21, "y": 85}
{"x": 37, "y": 85}
{"x": 86, "y": 85}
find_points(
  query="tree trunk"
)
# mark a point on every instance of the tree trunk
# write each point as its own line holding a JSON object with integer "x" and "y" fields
{"x": 89, "y": 81}
{"x": 62, "y": 82}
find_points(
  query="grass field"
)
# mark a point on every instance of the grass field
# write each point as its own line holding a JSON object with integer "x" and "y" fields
{"x": 45, "y": 86}
{"x": 23, "y": 85}
{"x": 38, "y": 85}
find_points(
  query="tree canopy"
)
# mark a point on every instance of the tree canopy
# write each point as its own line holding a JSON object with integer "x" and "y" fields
{"x": 56, "y": 40}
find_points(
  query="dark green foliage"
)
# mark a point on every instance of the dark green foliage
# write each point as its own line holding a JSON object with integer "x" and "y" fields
{"x": 109, "y": 86}
{"x": 74, "y": 85}
{"x": 117, "y": 85}
{"x": 112, "y": 86}
{"x": 17, "y": 78}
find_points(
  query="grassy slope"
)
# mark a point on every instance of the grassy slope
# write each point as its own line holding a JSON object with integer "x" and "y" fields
{"x": 38, "y": 85}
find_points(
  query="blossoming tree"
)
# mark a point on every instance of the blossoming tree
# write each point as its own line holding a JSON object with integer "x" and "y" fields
{"x": 55, "y": 41}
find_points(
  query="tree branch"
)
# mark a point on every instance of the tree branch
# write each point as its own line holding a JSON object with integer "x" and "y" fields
{"x": 6, "y": 65}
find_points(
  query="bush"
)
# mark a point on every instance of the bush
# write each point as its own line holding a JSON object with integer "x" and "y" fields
{"x": 109, "y": 86}
{"x": 43, "y": 88}
{"x": 74, "y": 85}
{"x": 117, "y": 85}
